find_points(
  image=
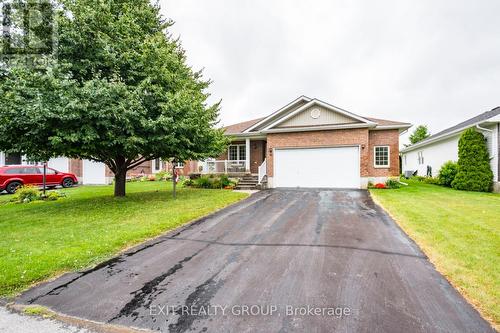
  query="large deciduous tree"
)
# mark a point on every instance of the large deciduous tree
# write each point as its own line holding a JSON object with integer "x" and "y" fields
{"x": 118, "y": 92}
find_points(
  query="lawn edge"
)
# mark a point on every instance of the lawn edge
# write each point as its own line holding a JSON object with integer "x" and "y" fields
{"x": 91, "y": 325}
{"x": 473, "y": 302}
{"x": 57, "y": 274}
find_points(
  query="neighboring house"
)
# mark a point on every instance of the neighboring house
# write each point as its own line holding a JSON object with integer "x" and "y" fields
{"x": 310, "y": 143}
{"x": 435, "y": 150}
{"x": 88, "y": 172}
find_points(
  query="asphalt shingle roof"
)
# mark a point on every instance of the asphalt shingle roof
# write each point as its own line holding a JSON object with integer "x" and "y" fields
{"x": 469, "y": 122}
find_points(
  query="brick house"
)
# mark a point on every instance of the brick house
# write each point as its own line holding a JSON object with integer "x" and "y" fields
{"x": 310, "y": 143}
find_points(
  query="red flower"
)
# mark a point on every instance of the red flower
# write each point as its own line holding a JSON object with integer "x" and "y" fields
{"x": 380, "y": 185}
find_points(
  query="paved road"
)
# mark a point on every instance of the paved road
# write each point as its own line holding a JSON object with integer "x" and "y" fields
{"x": 333, "y": 251}
{"x": 11, "y": 322}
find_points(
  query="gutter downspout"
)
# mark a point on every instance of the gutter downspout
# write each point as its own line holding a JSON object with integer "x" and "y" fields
{"x": 490, "y": 131}
{"x": 484, "y": 129}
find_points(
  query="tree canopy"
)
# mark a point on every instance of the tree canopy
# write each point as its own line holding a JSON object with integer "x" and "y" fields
{"x": 117, "y": 91}
{"x": 420, "y": 133}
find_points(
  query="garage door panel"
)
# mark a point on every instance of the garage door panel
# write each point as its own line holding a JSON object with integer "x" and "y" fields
{"x": 317, "y": 167}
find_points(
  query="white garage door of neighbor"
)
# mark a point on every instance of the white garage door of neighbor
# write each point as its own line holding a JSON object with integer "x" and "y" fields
{"x": 317, "y": 167}
{"x": 94, "y": 173}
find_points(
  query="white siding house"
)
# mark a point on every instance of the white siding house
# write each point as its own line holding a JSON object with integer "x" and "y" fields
{"x": 437, "y": 149}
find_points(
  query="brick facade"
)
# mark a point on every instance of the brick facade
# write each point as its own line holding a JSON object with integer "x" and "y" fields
{"x": 384, "y": 138}
{"x": 76, "y": 167}
{"x": 189, "y": 167}
{"x": 346, "y": 137}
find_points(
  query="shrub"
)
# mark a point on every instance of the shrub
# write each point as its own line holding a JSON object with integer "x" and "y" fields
{"x": 54, "y": 195}
{"x": 447, "y": 173}
{"x": 216, "y": 183}
{"x": 224, "y": 180}
{"x": 431, "y": 180}
{"x": 187, "y": 182}
{"x": 203, "y": 182}
{"x": 392, "y": 183}
{"x": 162, "y": 175}
{"x": 26, "y": 193}
{"x": 418, "y": 178}
{"x": 194, "y": 175}
{"x": 474, "y": 172}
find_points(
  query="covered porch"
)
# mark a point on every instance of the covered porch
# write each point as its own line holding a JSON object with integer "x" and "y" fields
{"x": 242, "y": 157}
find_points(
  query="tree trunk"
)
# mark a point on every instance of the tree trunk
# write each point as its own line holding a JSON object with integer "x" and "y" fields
{"x": 120, "y": 180}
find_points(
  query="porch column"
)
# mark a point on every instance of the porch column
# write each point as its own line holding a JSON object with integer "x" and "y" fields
{"x": 247, "y": 155}
{"x": 2, "y": 158}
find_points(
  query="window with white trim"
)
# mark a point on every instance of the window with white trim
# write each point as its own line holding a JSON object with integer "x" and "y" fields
{"x": 179, "y": 165}
{"x": 236, "y": 153}
{"x": 420, "y": 155}
{"x": 381, "y": 156}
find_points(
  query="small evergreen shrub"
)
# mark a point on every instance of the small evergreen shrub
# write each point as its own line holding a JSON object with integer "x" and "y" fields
{"x": 474, "y": 172}
{"x": 447, "y": 173}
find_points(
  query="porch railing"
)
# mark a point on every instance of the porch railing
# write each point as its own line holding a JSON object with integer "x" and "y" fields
{"x": 224, "y": 166}
{"x": 262, "y": 171}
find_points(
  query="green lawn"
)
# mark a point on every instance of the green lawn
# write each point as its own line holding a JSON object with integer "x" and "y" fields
{"x": 43, "y": 239}
{"x": 459, "y": 231}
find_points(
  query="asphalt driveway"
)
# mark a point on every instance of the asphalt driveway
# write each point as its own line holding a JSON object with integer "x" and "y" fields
{"x": 280, "y": 261}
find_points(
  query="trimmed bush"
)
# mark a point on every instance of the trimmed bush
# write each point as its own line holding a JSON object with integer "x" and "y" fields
{"x": 474, "y": 172}
{"x": 447, "y": 173}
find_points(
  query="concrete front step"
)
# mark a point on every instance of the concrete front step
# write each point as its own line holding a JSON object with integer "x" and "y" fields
{"x": 246, "y": 187}
{"x": 247, "y": 183}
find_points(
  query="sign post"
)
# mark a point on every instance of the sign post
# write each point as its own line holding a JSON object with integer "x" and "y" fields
{"x": 174, "y": 179}
{"x": 44, "y": 178}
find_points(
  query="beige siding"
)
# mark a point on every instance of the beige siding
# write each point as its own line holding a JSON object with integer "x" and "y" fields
{"x": 327, "y": 117}
{"x": 285, "y": 112}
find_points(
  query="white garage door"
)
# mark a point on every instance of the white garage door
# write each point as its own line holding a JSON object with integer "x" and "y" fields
{"x": 317, "y": 167}
{"x": 94, "y": 173}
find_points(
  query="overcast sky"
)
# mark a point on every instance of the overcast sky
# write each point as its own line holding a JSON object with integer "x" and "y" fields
{"x": 431, "y": 62}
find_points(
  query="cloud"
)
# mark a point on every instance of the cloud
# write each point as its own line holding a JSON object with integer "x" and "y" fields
{"x": 430, "y": 62}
